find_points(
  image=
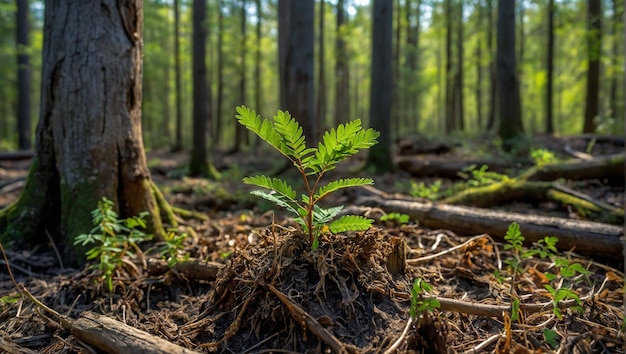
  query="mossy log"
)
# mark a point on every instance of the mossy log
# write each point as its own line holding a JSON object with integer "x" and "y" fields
{"x": 610, "y": 168}
{"x": 584, "y": 237}
{"x": 537, "y": 192}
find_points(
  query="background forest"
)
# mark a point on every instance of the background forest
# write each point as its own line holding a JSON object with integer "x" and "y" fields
{"x": 443, "y": 66}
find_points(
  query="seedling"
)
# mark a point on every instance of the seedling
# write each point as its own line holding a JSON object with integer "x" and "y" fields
{"x": 542, "y": 157}
{"x": 420, "y": 305}
{"x": 401, "y": 219}
{"x": 285, "y": 135}
{"x": 420, "y": 190}
{"x": 115, "y": 239}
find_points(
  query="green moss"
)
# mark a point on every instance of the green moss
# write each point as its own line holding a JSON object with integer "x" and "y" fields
{"x": 77, "y": 202}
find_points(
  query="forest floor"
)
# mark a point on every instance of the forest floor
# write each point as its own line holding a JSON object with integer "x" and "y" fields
{"x": 272, "y": 293}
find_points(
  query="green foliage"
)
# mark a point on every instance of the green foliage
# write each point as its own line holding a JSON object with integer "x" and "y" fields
{"x": 286, "y": 136}
{"x": 566, "y": 272}
{"x": 171, "y": 249}
{"x": 551, "y": 337}
{"x": 114, "y": 239}
{"x": 420, "y": 190}
{"x": 420, "y": 305}
{"x": 542, "y": 157}
{"x": 398, "y": 217}
{"x": 479, "y": 177}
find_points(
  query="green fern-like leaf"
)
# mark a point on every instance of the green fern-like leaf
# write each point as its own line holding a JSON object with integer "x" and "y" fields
{"x": 276, "y": 199}
{"x": 341, "y": 143}
{"x": 323, "y": 216}
{"x": 350, "y": 223}
{"x": 291, "y": 133}
{"x": 343, "y": 183}
{"x": 261, "y": 127}
{"x": 275, "y": 184}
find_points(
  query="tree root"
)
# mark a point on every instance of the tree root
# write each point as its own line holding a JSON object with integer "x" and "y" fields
{"x": 190, "y": 214}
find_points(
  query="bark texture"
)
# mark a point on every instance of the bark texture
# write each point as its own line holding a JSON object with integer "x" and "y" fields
{"x": 88, "y": 140}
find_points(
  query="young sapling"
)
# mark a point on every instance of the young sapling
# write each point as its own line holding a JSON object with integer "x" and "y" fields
{"x": 286, "y": 136}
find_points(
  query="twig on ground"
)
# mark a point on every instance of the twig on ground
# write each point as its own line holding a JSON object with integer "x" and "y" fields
{"x": 417, "y": 261}
{"x": 400, "y": 339}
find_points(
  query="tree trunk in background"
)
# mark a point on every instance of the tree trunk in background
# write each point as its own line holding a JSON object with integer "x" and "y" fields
{"x": 296, "y": 46}
{"x": 458, "y": 82}
{"x": 23, "y": 77}
{"x": 397, "y": 109}
{"x": 217, "y": 135}
{"x": 321, "y": 82}
{"x": 613, "y": 100}
{"x": 88, "y": 141}
{"x": 178, "y": 143}
{"x": 342, "y": 72}
{"x": 241, "y": 133}
{"x": 450, "y": 125}
{"x": 257, "y": 63}
{"x": 594, "y": 49}
{"x": 198, "y": 164}
{"x": 550, "y": 69}
{"x": 491, "y": 117}
{"x": 381, "y": 86}
{"x": 508, "y": 89}
{"x": 479, "y": 68}
{"x": 412, "y": 94}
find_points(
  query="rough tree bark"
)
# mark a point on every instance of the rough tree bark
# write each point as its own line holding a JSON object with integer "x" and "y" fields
{"x": 178, "y": 143}
{"x": 509, "y": 105}
{"x": 295, "y": 59}
{"x": 379, "y": 156}
{"x": 594, "y": 51}
{"x": 23, "y": 77}
{"x": 88, "y": 140}
{"x": 342, "y": 70}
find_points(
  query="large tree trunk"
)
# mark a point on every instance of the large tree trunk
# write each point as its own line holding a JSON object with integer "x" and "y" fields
{"x": 508, "y": 88}
{"x": 342, "y": 72}
{"x": 198, "y": 165}
{"x": 491, "y": 118}
{"x": 320, "y": 115}
{"x": 296, "y": 45}
{"x": 241, "y": 133}
{"x": 88, "y": 142}
{"x": 594, "y": 51}
{"x": 23, "y": 77}
{"x": 550, "y": 68}
{"x": 379, "y": 156}
{"x": 178, "y": 143}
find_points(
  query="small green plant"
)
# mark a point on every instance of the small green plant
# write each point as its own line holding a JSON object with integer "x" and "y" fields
{"x": 285, "y": 135}
{"x": 170, "y": 250}
{"x": 551, "y": 337}
{"x": 562, "y": 294}
{"x": 544, "y": 248}
{"x": 420, "y": 190}
{"x": 542, "y": 157}
{"x": 478, "y": 177}
{"x": 419, "y": 304}
{"x": 114, "y": 239}
{"x": 397, "y": 217}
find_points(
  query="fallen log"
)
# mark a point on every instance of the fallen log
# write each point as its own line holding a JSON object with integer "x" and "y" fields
{"x": 535, "y": 192}
{"x": 16, "y": 155}
{"x": 418, "y": 166}
{"x": 609, "y": 167}
{"x": 112, "y": 336}
{"x": 584, "y": 237}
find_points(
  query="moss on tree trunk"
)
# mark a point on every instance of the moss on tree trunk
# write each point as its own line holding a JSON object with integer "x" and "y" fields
{"x": 88, "y": 140}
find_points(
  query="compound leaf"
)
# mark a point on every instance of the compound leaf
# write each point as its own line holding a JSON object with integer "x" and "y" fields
{"x": 350, "y": 223}
{"x": 275, "y": 184}
{"x": 342, "y": 183}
